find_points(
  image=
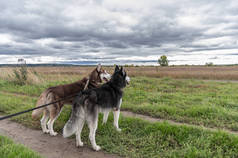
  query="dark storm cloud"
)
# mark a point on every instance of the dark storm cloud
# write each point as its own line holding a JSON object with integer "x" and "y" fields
{"x": 92, "y": 29}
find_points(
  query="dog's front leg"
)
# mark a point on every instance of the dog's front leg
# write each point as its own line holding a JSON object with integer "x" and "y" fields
{"x": 116, "y": 115}
{"x": 44, "y": 121}
{"x": 50, "y": 125}
{"x": 105, "y": 116}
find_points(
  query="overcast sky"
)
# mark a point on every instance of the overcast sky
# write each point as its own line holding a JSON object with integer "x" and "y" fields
{"x": 114, "y": 31}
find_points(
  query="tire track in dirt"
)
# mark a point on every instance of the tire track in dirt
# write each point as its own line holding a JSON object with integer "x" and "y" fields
{"x": 47, "y": 146}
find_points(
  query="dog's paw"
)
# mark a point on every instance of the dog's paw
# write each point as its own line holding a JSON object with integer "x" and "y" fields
{"x": 118, "y": 130}
{"x": 78, "y": 144}
{"x": 46, "y": 131}
{"x": 53, "y": 133}
{"x": 97, "y": 148}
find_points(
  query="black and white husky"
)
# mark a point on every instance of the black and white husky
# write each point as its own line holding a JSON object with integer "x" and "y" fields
{"x": 90, "y": 102}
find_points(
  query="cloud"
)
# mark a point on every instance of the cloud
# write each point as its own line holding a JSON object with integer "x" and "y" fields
{"x": 115, "y": 29}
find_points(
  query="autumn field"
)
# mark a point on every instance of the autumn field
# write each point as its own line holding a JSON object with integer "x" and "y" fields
{"x": 176, "y": 72}
{"x": 177, "y": 94}
{"x": 183, "y": 72}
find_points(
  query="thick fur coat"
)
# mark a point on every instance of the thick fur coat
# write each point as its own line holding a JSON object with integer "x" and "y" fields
{"x": 59, "y": 92}
{"x": 90, "y": 102}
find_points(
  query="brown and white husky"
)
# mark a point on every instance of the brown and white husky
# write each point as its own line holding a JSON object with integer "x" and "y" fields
{"x": 53, "y": 94}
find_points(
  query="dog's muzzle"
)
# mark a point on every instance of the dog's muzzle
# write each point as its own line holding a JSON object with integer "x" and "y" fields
{"x": 105, "y": 79}
{"x": 128, "y": 80}
{"x": 105, "y": 76}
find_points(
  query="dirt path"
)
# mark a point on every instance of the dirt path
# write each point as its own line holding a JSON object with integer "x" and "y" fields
{"x": 47, "y": 146}
{"x": 152, "y": 119}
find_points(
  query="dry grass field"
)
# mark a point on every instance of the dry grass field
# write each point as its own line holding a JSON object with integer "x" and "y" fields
{"x": 187, "y": 72}
{"x": 190, "y": 72}
{"x": 176, "y": 72}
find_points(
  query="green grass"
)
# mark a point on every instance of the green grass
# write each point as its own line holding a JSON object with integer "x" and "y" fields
{"x": 33, "y": 90}
{"x": 8, "y": 149}
{"x": 211, "y": 104}
{"x": 138, "y": 139}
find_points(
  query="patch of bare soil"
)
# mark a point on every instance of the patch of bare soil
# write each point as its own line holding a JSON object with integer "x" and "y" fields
{"x": 152, "y": 119}
{"x": 47, "y": 146}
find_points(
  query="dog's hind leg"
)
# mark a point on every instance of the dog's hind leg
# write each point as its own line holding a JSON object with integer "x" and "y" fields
{"x": 44, "y": 121}
{"x": 116, "y": 115}
{"x": 92, "y": 124}
{"x": 78, "y": 132}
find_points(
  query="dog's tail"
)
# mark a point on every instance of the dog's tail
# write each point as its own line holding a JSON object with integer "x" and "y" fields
{"x": 71, "y": 126}
{"x": 42, "y": 100}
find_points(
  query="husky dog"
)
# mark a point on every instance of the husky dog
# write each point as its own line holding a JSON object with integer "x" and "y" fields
{"x": 90, "y": 102}
{"x": 53, "y": 94}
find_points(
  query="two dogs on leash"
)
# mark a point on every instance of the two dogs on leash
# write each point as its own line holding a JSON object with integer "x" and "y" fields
{"x": 86, "y": 105}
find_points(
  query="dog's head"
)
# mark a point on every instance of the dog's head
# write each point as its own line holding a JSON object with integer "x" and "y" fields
{"x": 99, "y": 75}
{"x": 120, "y": 77}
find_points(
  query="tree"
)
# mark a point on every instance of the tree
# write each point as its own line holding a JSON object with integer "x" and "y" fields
{"x": 209, "y": 64}
{"x": 163, "y": 61}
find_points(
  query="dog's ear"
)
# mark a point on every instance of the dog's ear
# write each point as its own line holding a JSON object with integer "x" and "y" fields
{"x": 122, "y": 71}
{"x": 99, "y": 68}
{"x": 116, "y": 68}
